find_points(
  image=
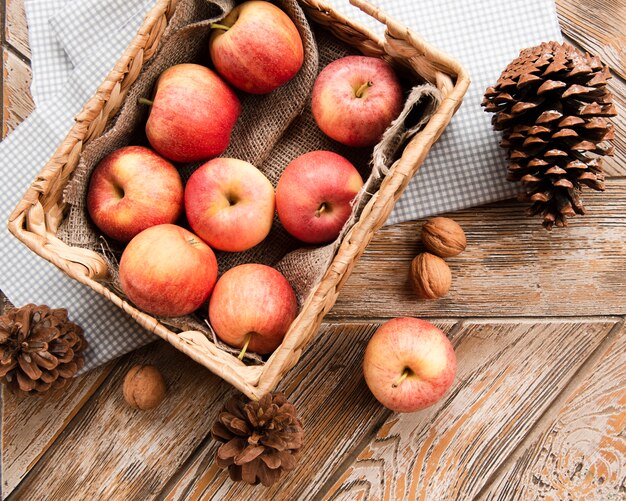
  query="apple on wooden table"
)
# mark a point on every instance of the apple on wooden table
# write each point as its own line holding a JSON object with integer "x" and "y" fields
{"x": 192, "y": 114}
{"x": 168, "y": 271}
{"x": 314, "y": 196}
{"x": 132, "y": 189}
{"x": 409, "y": 364}
{"x": 229, "y": 204}
{"x": 355, "y": 99}
{"x": 256, "y": 47}
{"x": 252, "y": 307}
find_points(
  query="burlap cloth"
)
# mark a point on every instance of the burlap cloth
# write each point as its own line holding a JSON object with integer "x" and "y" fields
{"x": 271, "y": 131}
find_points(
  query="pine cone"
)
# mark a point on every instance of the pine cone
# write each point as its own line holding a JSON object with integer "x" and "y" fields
{"x": 552, "y": 105}
{"x": 40, "y": 349}
{"x": 261, "y": 438}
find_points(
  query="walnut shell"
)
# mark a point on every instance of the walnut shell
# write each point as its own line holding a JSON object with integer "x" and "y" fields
{"x": 430, "y": 276}
{"x": 443, "y": 236}
{"x": 144, "y": 387}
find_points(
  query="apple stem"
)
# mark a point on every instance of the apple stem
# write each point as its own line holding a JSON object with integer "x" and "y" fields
{"x": 217, "y": 26}
{"x": 146, "y": 101}
{"x": 402, "y": 377}
{"x": 360, "y": 90}
{"x": 245, "y": 346}
{"x": 319, "y": 211}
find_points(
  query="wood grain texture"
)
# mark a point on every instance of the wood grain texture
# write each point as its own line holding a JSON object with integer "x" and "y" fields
{"x": 616, "y": 165}
{"x": 31, "y": 425}
{"x": 151, "y": 448}
{"x": 115, "y": 452}
{"x": 17, "y": 102}
{"x": 16, "y": 28}
{"x": 450, "y": 450}
{"x": 337, "y": 409}
{"x": 582, "y": 455}
{"x": 598, "y": 27}
{"x": 511, "y": 267}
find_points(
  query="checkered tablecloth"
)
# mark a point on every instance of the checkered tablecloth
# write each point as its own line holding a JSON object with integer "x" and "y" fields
{"x": 75, "y": 43}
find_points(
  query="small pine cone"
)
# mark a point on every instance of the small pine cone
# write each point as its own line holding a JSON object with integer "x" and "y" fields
{"x": 261, "y": 438}
{"x": 40, "y": 349}
{"x": 552, "y": 104}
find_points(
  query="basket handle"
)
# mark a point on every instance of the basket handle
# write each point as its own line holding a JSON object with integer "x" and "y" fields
{"x": 402, "y": 42}
{"x": 370, "y": 9}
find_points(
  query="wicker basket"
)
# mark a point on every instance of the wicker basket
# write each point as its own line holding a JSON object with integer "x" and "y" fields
{"x": 37, "y": 217}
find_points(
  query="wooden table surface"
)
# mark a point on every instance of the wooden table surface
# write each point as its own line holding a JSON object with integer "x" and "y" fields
{"x": 537, "y": 410}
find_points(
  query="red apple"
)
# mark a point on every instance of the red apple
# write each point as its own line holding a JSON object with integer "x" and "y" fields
{"x": 409, "y": 364}
{"x": 229, "y": 204}
{"x": 168, "y": 271}
{"x": 132, "y": 189}
{"x": 193, "y": 114}
{"x": 256, "y": 48}
{"x": 314, "y": 196}
{"x": 355, "y": 99}
{"x": 252, "y": 308}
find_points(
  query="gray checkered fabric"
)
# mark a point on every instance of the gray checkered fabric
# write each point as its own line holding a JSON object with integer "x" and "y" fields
{"x": 79, "y": 31}
{"x": 50, "y": 63}
{"x": 75, "y": 43}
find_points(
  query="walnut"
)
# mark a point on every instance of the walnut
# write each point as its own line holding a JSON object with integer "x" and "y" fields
{"x": 144, "y": 387}
{"x": 443, "y": 236}
{"x": 430, "y": 276}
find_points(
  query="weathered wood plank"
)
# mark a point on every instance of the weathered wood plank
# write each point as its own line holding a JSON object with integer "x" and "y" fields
{"x": 333, "y": 426}
{"x": 115, "y": 452}
{"x": 616, "y": 165}
{"x": 132, "y": 465}
{"x": 582, "y": 455}
{"x": 31, "y": 425}
{"x": 337, "y": 409}
{"x": 508, "y": 374}
{"x": 511, "y": 267}
{"x": 16, "y": 28}
{"x": 17, "y": 102}
{"x": 598, "y": 26}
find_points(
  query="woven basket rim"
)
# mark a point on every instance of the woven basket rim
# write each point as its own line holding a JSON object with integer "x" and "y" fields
{"x": 35, "y": 219}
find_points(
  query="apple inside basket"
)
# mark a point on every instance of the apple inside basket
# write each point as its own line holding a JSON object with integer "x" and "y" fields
{"x": 272, "y": 130}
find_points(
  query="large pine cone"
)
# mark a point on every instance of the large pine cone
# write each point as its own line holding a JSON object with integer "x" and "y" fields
{"x": 40, "y": 349}
{"x": 552, "y": 105}
{"x": 261, "y": 439}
